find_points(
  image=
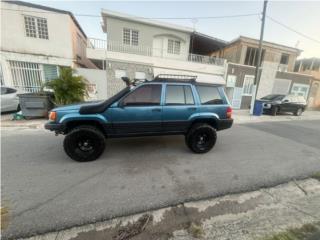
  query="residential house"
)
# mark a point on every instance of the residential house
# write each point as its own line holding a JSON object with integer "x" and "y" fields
{"x": 142, "y": 48}
{"x": 276, "y": 72}
{"x": 311, "y": 66}
{"x": 35, "y": 41}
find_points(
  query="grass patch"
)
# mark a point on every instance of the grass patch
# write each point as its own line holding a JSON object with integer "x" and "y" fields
{"x": 196, "y": 230}
{"x": 306, "y": 232}
{"x": 316, "y": 176}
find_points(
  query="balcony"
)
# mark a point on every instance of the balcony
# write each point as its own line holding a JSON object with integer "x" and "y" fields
{"x": 110, "y": 46}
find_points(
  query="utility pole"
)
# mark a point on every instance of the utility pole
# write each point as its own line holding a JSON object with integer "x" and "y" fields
{"x": 257, "y": 73}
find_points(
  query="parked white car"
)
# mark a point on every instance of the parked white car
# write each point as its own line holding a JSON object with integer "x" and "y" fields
{"x": 9, "y": 99}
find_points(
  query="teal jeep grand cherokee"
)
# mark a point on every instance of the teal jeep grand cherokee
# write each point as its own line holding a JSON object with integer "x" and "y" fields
{"x": 167, "y": 105}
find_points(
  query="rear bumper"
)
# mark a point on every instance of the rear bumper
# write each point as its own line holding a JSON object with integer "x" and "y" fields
{"x": 224, "y": 124}
{"x": 56, "y": 127}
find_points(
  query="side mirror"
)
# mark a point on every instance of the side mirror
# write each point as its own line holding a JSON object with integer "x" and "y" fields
{"x": 121, "y": 104}
{"x": 286, "y": 101}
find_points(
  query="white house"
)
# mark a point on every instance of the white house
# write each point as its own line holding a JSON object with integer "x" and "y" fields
{"x": 142, "y": 48}
{"x": 35, "y": 41}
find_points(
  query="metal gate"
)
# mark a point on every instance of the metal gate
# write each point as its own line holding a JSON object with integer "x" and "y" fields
{"x": 236, "y": 99}
{"x": 26, "y": 76}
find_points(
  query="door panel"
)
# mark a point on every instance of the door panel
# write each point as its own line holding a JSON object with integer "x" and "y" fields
{"x": 179, "y": 105}
{"x": 138, "y": 119}
{"x": 139, "y": 111}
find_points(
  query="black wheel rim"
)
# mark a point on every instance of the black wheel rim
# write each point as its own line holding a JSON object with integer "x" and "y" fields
{"x": 202, "y": 141}
{"x": 85, "y": 145}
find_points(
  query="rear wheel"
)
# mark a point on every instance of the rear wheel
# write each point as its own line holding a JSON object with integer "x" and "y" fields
{"x": 84, "y": 143}
{"x": 298, "y": 112}
{"x": 201, "y": 138}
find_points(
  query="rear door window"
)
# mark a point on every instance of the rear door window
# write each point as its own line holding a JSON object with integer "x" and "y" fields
{"x": 209, "y": 95}
{"x": 179, "y": 95}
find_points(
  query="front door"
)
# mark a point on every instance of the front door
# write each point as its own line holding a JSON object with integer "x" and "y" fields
{"x": 178, "y": 106}
{"x": 138, "y": 112}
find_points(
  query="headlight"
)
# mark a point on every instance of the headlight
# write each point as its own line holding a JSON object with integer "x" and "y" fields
{"x": 53, "y": 116}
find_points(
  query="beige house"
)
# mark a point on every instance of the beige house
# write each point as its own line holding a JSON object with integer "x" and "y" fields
{"x": 35, "y": 41}
{"x": 311, "y": 66}
{"x": 276, "y": 71}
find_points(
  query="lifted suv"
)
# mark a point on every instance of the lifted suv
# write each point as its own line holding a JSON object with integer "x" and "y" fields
{"x": 165, "y": 106}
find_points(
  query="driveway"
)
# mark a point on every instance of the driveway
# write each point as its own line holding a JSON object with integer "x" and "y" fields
{"x": 44, "y": 190}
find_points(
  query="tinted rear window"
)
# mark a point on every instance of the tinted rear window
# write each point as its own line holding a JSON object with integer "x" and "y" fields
{"x": 209, "y": 95}
{"x": 179, "y": 95}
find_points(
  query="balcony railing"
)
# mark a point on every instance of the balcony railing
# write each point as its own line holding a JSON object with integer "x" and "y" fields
{"x": 95, "y": 43}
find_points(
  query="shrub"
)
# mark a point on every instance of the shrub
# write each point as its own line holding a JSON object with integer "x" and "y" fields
{"x": 68, "y": 88}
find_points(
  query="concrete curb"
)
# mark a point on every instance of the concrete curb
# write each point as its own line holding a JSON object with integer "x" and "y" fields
{"x": 244, "y": 216}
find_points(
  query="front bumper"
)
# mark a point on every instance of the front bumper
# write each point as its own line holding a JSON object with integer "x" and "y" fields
{"x": 224, "y": 124}
{"x": 56, "y": 127}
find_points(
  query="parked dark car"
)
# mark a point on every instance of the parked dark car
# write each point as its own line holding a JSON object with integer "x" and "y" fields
{"x": 164, "y": 106}
{"x": 280, "y": 103}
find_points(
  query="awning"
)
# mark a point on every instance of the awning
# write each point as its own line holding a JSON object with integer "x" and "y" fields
{"x": 201, "y": 77}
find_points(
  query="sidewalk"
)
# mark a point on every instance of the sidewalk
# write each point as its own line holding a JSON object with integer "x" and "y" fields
{"x": 243, "y": 116}
{"x": 240, "y": 116}
{"x": 246, "y": 216}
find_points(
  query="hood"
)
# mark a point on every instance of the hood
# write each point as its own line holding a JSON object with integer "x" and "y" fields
{"x": 72, "y": 107}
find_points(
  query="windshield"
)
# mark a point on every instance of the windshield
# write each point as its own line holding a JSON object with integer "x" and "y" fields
{"x": 273, "y": 97}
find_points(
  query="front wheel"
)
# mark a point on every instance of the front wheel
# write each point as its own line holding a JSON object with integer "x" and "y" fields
{"x": 201, "y": 138}
{"x": 84, "y": 143}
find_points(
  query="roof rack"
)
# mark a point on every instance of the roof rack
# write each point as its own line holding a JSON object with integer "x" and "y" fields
{"x": 175, "y": 78}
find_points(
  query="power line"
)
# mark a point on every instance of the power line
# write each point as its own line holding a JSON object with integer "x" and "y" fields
{"x": 293, "y": 30}
{"x": 93, "y": 15}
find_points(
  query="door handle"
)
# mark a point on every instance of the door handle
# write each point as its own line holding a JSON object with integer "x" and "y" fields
{"x": 192, "y": 108}
{"x": 156, "y": 110}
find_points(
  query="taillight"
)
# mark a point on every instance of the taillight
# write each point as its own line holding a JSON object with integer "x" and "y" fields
{"x": 229, "y": 112}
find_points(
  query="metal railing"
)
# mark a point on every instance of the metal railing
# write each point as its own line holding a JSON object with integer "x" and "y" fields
{"x": 112, "y": 46}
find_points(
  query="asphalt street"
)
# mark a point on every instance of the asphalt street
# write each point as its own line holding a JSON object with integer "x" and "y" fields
{"x": 44, "y": 190}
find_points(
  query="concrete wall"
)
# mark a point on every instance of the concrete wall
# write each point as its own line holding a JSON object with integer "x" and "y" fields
{"x": 114, "y": 85}
{"x": 147, "y": 33}
{"x": 14, "y": 39}
{"x": 267, "y": 78}
{"x": 95, "y": 77}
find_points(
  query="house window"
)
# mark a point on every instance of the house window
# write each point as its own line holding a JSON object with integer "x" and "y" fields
{"x": 120, "y": 73}
{"x": 50, "y": 72}
{"x": 130, "y": 37}
{"x": 26, "y": 76}
{"x": 284, "y": 59}
{"x": 140, "y": 75}
{"x": 248, "y": 85}
{"x": 174, "y": 46}
{"x": 36, "y": 27}
{"x": 300, "y": 90}
{"x": 30, "y": 25}
{"x": 252, "y": 56}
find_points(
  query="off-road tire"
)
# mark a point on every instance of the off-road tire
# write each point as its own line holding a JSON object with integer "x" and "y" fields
{"x": 196, "y": 133}
{"x": 75, "y": 140}
{"x": 298, "y": 112}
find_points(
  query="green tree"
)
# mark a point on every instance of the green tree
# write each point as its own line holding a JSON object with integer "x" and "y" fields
{"x": 68, "y": 88}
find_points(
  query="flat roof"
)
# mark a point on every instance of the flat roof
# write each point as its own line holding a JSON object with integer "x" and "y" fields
{"x": 32, "y": 5}
{"x": 144, "y": 20}
{"x": 271, "y": 44}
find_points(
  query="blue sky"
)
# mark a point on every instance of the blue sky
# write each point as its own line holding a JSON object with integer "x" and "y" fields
{"x": 303, "y": 16}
